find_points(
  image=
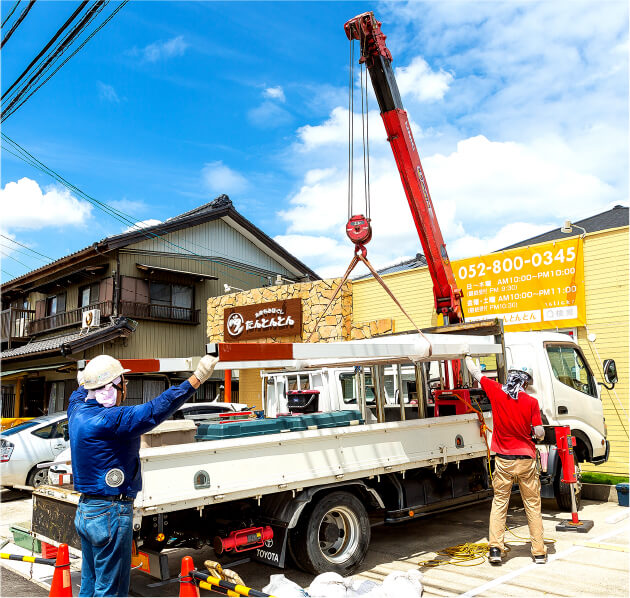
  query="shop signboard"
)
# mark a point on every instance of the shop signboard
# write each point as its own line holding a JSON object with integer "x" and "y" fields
{"x": 263, "y": 320}
{"x": 531, "y": 288}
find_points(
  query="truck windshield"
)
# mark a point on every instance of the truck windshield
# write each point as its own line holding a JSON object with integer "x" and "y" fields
{"x": 569, "y": 367}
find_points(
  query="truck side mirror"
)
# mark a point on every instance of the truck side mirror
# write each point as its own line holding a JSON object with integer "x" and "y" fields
{"x": 610, "y": 372}
{"x": 66, "y": 434}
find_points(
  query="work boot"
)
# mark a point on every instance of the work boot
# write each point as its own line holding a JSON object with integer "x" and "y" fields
{"x": 495, "y": 556}
{"x": 540, "y": 559}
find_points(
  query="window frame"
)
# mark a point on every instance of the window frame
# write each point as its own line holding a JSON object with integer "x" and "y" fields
{"x": 592, "y": 383}
{"x": 92, "y": 288}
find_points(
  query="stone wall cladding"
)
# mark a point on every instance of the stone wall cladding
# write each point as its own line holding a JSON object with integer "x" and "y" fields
{"x": 335, "y": 325}
{"x": 361, "y": 330}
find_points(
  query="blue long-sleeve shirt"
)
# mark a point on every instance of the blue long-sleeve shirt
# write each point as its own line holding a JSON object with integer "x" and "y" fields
{"x": 105, "y": 441}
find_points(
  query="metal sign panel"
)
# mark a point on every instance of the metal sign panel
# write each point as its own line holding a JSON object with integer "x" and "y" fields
{"x": 263, "y": 320}
{"x": 530, "y": 288}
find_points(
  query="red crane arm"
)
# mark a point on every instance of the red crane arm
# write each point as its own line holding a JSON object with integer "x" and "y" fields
{"x": 378, "y": 59}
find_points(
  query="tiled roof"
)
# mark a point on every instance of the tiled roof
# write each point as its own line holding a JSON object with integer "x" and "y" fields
{"x": 614, "y": 218}
{"x": 69, "y": 342}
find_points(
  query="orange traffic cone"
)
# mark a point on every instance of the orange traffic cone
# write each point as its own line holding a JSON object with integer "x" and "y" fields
{"x": 187, "y": 587}
{"x": 61, "y": 585}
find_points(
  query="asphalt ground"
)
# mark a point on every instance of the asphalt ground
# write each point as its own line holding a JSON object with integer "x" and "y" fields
{"x": 592, "y": 564}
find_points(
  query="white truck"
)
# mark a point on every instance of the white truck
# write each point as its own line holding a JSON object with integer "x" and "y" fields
{"x": 314, "y": 492}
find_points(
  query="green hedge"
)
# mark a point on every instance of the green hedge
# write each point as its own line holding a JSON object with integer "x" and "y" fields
{"x": 589, "y": 477}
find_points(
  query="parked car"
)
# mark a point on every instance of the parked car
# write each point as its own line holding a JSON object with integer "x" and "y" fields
{"x": 61, "y": 471}
{"x": 23, "y": 447}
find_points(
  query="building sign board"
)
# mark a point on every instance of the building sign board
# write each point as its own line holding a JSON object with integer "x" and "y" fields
{"x": 263, "y": 320}
{"x": 531, "y": 288}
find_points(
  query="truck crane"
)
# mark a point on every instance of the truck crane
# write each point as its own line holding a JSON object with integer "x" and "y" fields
{"x": 378, "y": 60}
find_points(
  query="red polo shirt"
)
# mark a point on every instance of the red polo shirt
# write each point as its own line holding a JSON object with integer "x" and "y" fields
{"x": 512, "y": 420}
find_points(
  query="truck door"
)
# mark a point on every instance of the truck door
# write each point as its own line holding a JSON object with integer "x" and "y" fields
{"x": 574, "y": 389}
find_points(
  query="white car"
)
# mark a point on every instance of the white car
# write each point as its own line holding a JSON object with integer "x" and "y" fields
{"x": 23, "y": 447}
{"x": 61, "y": 471}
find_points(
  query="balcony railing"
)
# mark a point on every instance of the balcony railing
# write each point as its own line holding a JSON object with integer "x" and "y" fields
{"x": 14, "y": 323}
{"x": 164, "y": 313}
{"x": 67, "y": 318}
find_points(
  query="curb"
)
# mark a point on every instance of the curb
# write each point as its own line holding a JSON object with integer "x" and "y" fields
{"x": 601, "y": 492}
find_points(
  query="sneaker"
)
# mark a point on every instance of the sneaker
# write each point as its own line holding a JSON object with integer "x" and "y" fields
{"x": 540, "y": 559}
{"x": 495, "y": 556}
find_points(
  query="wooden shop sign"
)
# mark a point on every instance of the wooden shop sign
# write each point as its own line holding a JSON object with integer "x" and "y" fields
{"x": 263, "y": 320}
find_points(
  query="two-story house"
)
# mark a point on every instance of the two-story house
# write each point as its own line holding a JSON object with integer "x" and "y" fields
{"x": 146, "y": 291}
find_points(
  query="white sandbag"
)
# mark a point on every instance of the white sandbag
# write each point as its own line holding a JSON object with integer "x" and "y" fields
{"x": 329, "y": 585}
{"x": 363, "y": 587}
{"x": 281, "y": 587}
{"x": 401, "y": 584}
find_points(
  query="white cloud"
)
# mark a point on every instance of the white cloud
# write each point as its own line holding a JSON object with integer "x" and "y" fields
{"x": 26, "y": 206}
{"x": 418, "y": 80}
{"x": 142, "y": 224}
{"x": 275, "y": 93}
{"x": 161, "y": 50}
{"x": 269, "y": 115}
{"x": 107, "y": 92}
{"x": 219, "y": 178}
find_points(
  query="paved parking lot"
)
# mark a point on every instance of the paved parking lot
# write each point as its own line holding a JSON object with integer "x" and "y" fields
{"x": 593, "y": 564}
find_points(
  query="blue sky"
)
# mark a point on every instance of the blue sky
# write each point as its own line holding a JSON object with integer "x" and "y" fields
{"x": 520, "y": 112}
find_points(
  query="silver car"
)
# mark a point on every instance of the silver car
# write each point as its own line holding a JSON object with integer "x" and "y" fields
{"x": 23, "y": 447}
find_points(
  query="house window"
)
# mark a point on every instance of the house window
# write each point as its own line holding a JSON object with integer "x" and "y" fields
{"x": 56, "y": 304}
{"x": 88, "y": 295}
{"x": 171, "y": 300}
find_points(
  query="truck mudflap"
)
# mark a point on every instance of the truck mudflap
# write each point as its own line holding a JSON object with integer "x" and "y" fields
{"x": 54, "y": 519}
{"x": 274, "y": 551}
{"x": 604, "y": 458}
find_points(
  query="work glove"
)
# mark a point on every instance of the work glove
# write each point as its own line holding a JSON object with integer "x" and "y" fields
{"x": 205, "y": 368}
{"x": 473, "y": 368}
{"x": 80, "y": 377}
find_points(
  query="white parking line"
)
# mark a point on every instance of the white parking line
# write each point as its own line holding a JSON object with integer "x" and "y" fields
{"x": 553, "y": 557}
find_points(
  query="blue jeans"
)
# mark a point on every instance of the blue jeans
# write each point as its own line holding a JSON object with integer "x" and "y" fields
{"x": 105, "y": 528}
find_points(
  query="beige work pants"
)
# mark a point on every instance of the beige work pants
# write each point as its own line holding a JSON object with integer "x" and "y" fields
{"x": 506, "y": 473}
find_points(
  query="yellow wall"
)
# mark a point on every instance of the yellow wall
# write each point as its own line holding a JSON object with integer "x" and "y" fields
{"x": 606, "y": 281}
{"x": 606, "y": 278}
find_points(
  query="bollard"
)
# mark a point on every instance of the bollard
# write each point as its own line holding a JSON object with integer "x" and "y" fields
{"x": 187, "y": 586}
{"x": 61, "y": 583}
{"x": 564, "y": 443}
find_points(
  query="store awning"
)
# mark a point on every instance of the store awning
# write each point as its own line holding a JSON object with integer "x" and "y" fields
{"x": 151, "y": 269}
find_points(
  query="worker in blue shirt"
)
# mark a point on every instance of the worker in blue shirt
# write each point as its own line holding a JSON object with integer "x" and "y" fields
{"x": 105, "y": 445}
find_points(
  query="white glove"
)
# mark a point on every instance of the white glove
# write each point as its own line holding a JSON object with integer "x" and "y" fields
{"x": 205, "y": 368}
{"x": 539, "y": 432}
{"x": 473, "y": 368}
{"x": 80, "y": 377}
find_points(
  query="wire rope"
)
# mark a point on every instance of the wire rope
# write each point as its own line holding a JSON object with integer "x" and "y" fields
{"x": 5, "y": 39}
{"x": 11, "y": 13}
{"x": 350, "y": 130}
{"x": 47, "y": 46}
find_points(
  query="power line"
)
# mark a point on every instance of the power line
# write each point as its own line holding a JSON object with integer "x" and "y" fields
{"x": 7, "y": 273}
{"x": 16, "y": 102}
{"x": 25, "y": 246}
{"x": 47, "y": 46}
{"x": 14, "y": 259}
{"x": 12, "y": 11}
{"x": 17, "y": 23}
{"x": 27, "y": 157}
{"x": 23, "y": 252}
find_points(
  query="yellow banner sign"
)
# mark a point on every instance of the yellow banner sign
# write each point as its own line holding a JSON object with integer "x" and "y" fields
{"x": 531, "y": 288}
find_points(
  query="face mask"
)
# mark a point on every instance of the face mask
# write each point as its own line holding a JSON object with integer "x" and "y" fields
{"x": 515, "y": 383}
{"x": 106, "y": 395}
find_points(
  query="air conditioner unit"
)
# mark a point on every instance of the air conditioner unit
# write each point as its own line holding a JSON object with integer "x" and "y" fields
{"x": 91, "y": 317}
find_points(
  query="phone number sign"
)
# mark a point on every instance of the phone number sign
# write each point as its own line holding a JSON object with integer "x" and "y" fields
{"x": 530, "y": 288}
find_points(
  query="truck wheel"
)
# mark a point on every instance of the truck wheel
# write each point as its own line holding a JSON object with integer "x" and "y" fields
{"x": 333, "y": 535}
{"x": 37, "y": 477}
{"x": 562, "y": 491}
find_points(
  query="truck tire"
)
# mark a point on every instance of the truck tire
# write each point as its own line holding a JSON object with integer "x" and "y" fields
{"x": 562, "y": 491}
{"x": 333, "y": 534}
{"x": 37, "y": 477}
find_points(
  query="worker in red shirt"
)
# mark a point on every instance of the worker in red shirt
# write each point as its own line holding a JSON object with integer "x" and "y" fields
{"x": 515, "y": 417}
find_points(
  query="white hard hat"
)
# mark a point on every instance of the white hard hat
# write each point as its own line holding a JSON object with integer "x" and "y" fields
{"x": 522, "y": 368}
{"x": 101, "y": 371}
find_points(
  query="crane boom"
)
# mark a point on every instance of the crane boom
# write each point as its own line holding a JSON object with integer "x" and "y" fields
{"x": 378, "y": 59}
